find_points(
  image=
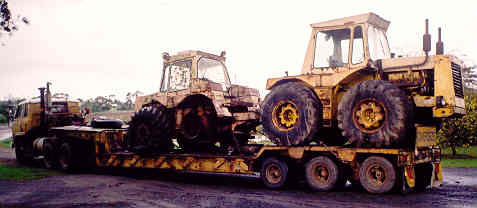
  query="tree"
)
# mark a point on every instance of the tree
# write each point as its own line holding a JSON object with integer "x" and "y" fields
{"x": 8, "y": 23}
{"x": 456, "y": 132}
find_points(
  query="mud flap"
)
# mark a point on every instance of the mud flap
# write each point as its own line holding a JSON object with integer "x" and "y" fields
{"x": 436, "y": 175}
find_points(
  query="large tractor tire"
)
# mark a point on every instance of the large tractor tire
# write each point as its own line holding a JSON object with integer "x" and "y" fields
{"x": 151, "y": 129}
{"x": 376, "y": 113}
{"x": 291, "y": 114}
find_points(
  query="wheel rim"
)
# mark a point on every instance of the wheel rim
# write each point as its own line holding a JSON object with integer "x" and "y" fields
{"x": 369, "y": 115}
{"x": 320, "y": 173}
{"x": 376, "y": 174}
{"x": 285, "y": 115}
{"x": 273, "y": 173}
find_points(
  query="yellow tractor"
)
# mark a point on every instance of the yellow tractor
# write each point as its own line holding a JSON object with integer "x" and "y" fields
{"x": 196, "y": 104}
{"x": 353, "y": 91}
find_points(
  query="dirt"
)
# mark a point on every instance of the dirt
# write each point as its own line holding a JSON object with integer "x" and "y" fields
{"x": 150, "y": 188}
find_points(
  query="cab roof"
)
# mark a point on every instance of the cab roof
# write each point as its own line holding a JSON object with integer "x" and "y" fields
{"x": 192, "y": 53}
{"x": 369, "y": 18}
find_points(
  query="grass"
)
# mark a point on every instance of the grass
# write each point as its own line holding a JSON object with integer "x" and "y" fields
{"x": 466, "y": 157}
{"x": 6, "y": 143}
{"x": 8, "y": 172}
{"x": 459, "y": 163}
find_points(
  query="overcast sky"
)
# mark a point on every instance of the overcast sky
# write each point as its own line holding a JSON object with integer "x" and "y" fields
{"x": 88, "y": 48}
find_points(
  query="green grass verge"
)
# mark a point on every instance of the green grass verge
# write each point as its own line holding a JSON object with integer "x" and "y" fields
{"x": 459, "y": 163}
{"x": 8, "y": 172}
{"x": 6, "y": 143}
{"x": 470, "y": 151}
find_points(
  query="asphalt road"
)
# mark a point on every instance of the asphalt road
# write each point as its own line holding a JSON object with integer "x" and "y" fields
{"x": 148, "y": 188}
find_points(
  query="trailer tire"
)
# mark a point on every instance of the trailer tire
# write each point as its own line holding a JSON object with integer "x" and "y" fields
{"x": 376, "y": 113}
{"x": 377, "y": 175}
{"x": 50, "y": 160}
{"x": 322, "y": 174}
{"x": 291, "y": 114}
{"x": 151, "y": 128}
{"x": 274, "y": 173}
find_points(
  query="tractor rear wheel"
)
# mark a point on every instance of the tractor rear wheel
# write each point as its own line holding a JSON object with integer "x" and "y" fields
{"x": 291, "y": 114}
{"x": 376, "y": 113}
{"x": 151, "y": 128}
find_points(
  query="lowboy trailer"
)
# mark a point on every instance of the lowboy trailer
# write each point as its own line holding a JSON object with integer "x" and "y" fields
{"x": 325, "y": 168}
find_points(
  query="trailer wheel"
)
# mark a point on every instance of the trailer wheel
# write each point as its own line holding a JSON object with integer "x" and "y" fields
{"x": 291, "y": 114}
{"x": 274, "y": 173}
{"x": 50, "y": 160}
{"x": 21, "y": 155}
{"x": 377, "y": 175}
{"x": 65, "y": 157}
{"x": 376, "y": 113}
{"x": 322, "y": 174}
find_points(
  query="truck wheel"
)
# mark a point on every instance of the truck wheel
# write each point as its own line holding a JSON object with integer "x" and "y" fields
{"x": 66, "y": 157}
{"x": 50, "y": 160}
{"x": 291, "y": 114}
{"x": 375, "y": 113}
{"x": 22, "y": 155}
{"x": 274, "y": 173}
{"x": 322, "y": 174}
{"x": 377, "y": 175}
{"x": 151, "y": 127}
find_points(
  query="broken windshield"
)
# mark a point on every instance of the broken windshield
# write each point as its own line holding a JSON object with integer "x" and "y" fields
{"x": 177, "y": 75}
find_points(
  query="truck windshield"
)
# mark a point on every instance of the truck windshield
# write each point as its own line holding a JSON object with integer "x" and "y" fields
{"x": 378, "y": 44}
{"x": 212, "y": 70}
{"x": 59, "y": 107}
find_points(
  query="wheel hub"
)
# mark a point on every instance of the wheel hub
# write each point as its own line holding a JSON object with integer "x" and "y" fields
{"x": 285, "y": 115}
{"x": 321, "y": 173}
{"x": 369, "y": 115}
{"x": 274, "y": 174}
{"x": 377, "y": 175}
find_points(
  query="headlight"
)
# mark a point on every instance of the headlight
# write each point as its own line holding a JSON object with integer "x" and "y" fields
{"x": 440, "y": 102}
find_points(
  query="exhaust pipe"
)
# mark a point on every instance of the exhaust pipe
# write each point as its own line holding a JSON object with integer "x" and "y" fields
{"x": 426, "y": 44}
{"x": 439, "y": 44}
{"x": 42, "y": 109}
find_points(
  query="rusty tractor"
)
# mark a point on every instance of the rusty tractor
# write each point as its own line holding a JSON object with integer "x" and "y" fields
{"x": 197, "y": 105}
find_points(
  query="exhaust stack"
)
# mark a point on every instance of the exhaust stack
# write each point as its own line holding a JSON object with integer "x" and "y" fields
{"x": 426, "y": 43}
{"x": 439, "y": 44}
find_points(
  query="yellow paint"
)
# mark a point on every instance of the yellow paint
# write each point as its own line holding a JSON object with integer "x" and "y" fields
{"x": 410, "y": 176}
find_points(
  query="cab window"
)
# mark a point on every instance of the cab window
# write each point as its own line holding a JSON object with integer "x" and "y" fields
{"x": 358, "y": 46}
{"x": 332, "y": 48}
{"x": 25, "y": 110}
{"x": 179, "y": 76}
{"x": 18, "y": 112}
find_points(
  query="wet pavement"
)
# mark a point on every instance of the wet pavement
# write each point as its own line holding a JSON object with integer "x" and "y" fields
{"x": 149, "y": 188}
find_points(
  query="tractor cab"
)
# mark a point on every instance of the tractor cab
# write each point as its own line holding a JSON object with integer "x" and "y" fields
{"x": 345, "y": 43}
